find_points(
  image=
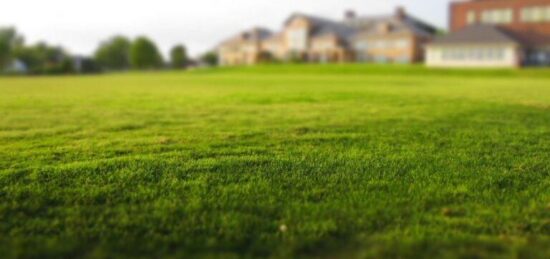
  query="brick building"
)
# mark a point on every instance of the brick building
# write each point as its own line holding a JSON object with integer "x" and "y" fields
{"x": 393, "y": 38}
{"x": 506, "y": 33}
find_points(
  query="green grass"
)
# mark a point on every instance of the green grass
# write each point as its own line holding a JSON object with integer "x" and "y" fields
{"x": 277, "y": 161}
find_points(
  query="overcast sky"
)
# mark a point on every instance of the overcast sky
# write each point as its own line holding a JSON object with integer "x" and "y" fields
{"x": 79, "y": 25}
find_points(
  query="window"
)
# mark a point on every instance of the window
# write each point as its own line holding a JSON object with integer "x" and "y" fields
{"x": 497, "y": 16}
{"x": 298, "y": 40}
{"x": 536, "y": 14}
{"x": 446, "y": 54}
{"x": 380, "y": 44}
{"x": 469, "y": 54}
{"x": 471, "y": 17}
{"x": 498, "y": 54}
{"x": 323, "y": 45}
{"x": 460, "y": 54}
{"x": 361, "y": 45}
{"x": 402, "y": 44}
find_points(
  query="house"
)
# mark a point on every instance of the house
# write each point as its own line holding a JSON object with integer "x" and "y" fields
{"x": 477, "y": 46}
{"x": 494, "y": 33}
{"x": 397, "y": 37}
{"x": 316, "y": 39}
{"x": 244, "y": 48}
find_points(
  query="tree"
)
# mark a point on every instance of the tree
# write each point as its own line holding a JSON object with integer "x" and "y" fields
{"x": 9, "y": 39}
{"x": 178, "y": 56}
{"x": 43, "y": 59}
{"x": 144, "y": 54}
{"x": 114, "y": 54}
{"x": 210, "y": 58}
{"x": 265, "y": 57}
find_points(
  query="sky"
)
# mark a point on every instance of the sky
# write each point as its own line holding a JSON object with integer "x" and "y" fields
{"x": 80, "y": 25}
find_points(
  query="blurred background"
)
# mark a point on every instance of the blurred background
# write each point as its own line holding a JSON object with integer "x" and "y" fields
{"x": 80, "y": 25}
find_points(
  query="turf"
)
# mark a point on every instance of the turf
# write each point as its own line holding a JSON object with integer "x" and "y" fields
{"x": 345, "y": 161}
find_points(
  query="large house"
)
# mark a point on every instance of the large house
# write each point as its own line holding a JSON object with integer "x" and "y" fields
{"x": 245, "y": 48}
{"x": 395, "y": 38}
{"x": 494, "y": 33}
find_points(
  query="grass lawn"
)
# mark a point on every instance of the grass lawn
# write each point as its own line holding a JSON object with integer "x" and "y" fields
{"x": 337, "y": 161}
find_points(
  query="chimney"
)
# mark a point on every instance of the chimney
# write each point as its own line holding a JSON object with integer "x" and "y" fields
{"x": 350, "y": 15}
{"x": 400, "y": 13}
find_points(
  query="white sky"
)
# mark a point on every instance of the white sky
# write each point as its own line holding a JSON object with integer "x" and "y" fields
{"x": 79, "y": 25}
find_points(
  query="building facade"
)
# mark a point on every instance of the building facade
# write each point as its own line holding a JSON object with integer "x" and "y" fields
{"x": 496, "y": 33}
{"x": 396, "y": 38}
{"x": 244, "y": 48}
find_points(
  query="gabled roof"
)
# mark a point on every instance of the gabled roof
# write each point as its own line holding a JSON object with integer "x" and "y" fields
{"x": 323, "y": 26}
{"x": 349, "y": 29}
{"x": 368, "y": 25}
{"x": 275, "y": 37}
{"x": 252, "y": 35}
{"x": 477, "y": 34}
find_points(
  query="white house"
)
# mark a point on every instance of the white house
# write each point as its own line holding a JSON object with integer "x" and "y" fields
{"x": 475, "y": 46}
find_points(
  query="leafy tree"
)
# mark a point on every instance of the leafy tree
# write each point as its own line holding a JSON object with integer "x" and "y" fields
{"x": 114, "y": 54}
{"x": 31, "y": 57}
{"x": 178, "y": 56}
{"x": 296, "y": 58}
{"x": 43, "y": 59}
{"x": 265, "y": 57}
{"x": 210, "y": 58}
{"x": 144, "y": 54}
{"x": 9, "y": 39}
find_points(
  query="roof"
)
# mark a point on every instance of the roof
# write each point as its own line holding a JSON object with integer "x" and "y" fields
{"x": 368, "y": 25}
{"x": 252, "y": 35}
{"x": 531, "y": 36}
{"x": 322, "y": 26}
{"x": 345, "y": 30}
{"x": 276, "y": 37}
{"x": 348, "y": 29}
{"x": 477, "y": 34}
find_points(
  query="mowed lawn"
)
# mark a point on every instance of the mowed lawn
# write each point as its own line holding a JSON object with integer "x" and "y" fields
{"x": 342, "y": 161}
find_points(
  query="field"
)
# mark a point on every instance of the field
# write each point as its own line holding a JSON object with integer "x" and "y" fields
{"x": 341, "y": 161}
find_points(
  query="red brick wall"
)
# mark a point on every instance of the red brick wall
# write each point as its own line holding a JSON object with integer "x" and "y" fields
{"x": 531, "y": 33}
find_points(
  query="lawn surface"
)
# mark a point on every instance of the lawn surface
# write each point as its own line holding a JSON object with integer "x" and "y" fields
{"x": 281, "y": 161}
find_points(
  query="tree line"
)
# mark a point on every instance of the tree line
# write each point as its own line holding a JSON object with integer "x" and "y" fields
{"x": 117, "y": 53}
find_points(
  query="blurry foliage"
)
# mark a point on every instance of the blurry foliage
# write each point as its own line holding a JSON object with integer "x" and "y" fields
{"x": 114, "y": 54}
{"x": 296, "y": 58}
{"x": 210, "y": 58}
{"x": 178, "y": 57}
{"x": 144, "y": 54}
{"x": 266, "y": 57}
{"x": 86, "y": 65}
{"x": 44, "y": 59}
{"x": 9, "y": 39}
